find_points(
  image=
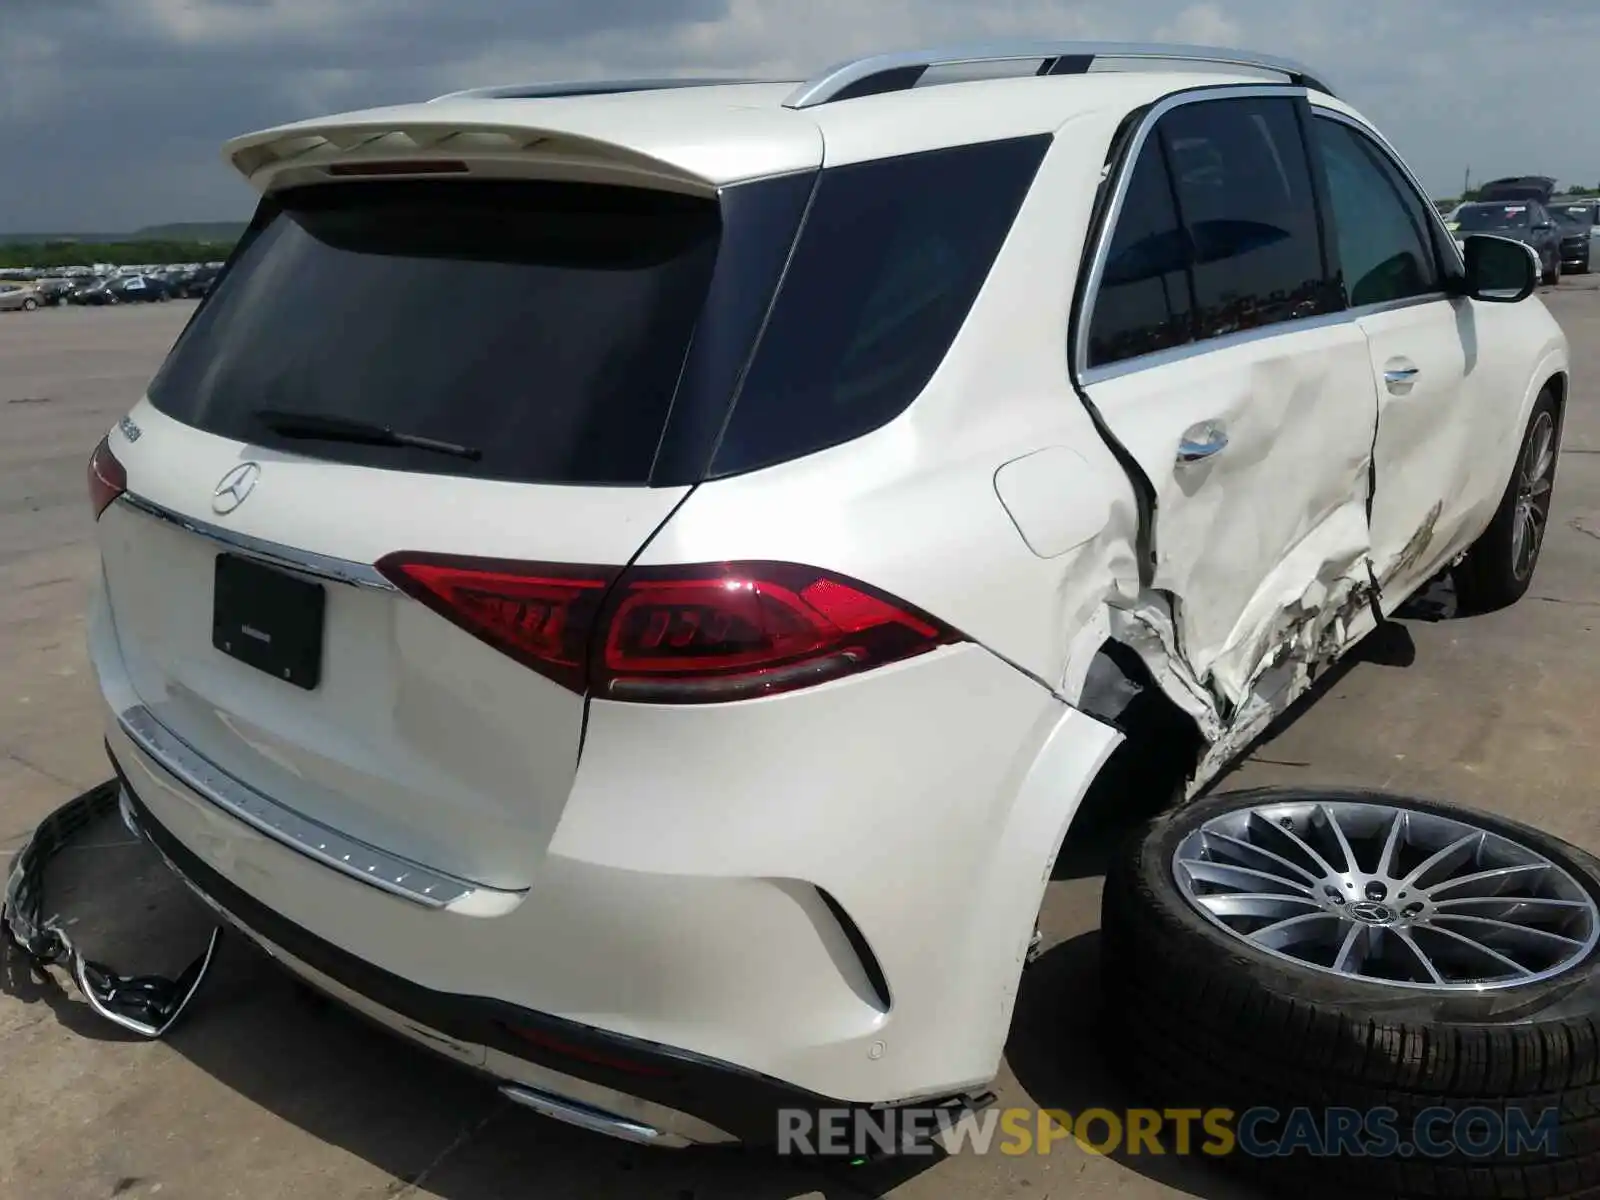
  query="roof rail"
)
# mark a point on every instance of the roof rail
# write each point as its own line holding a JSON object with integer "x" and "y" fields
{"x": 897, "y": 72}
{"x": 583, "y": 87}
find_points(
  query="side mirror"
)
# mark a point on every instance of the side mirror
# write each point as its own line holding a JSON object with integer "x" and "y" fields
{"x": 1544, "y": 226}
{"x": 1500, "y": 270}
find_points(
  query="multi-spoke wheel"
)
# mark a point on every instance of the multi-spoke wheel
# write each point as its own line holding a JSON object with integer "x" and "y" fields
{"x": 1325, "y": 949}
{"x": 1499, "y": 567}
{"x": 1374, "y": 891}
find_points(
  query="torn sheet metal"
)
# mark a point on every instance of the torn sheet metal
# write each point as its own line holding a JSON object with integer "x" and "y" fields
{"x": 146, "y": 1005}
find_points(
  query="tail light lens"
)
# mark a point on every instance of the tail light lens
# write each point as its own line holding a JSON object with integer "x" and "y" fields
{"x": 540, "y": 616}
{"x": 673, "y": 635}
{"x": 108, "y": 479}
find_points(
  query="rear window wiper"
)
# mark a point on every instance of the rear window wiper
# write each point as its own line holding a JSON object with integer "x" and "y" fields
{"x": 321, "y": 427}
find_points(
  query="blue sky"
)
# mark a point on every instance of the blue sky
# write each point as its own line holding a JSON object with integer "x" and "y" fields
{"x": 112, "y": 111}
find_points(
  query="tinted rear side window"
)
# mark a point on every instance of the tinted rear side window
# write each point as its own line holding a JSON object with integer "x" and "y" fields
{"x": 1244, "y": 194}
{"x": 1143, "y": 303}
{"x": 889, "y": 261}
{"x": 542, "y": 324}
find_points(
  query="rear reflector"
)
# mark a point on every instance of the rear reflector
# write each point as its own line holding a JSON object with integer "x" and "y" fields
{"x": 672, "y": 635}
{"x": 107, "y": 477}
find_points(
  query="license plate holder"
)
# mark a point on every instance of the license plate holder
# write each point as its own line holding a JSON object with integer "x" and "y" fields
{"x": 268, "y": 619}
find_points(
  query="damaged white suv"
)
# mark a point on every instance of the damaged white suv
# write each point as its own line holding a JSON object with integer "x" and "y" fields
{"x": 629, "y": 584}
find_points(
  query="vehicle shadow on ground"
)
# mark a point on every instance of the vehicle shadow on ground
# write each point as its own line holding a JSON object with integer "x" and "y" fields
{"x": 1064, "y": 1055}
{"x": 430, "y": 1125}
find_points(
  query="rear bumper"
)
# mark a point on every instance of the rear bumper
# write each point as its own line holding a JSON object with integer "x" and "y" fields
{"x": 817, "y": 901}
{"x": 620, "y": 1086}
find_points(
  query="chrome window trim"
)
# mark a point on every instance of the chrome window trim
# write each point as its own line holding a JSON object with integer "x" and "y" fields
{"x": 1087, "y": 375}
{"x": 1175, "y": 354}
{"x": 373, "y": 867}
{"x": 301, "y": 562}
{"x": 1113, "y": 213}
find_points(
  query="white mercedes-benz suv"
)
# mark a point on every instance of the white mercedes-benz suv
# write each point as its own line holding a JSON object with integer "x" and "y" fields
{"x": 629, "y": 584}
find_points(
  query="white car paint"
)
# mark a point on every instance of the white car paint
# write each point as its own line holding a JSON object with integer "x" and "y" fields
{"x": 653, "y": 870}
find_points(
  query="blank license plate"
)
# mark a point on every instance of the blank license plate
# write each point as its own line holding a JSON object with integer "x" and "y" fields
{"x": 268, "y": 619}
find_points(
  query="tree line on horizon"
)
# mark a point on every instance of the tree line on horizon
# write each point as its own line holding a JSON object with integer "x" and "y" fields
{"x": 116, "y": 254}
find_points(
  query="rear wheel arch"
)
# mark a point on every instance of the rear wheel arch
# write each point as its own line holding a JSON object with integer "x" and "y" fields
{"x": 1160, "y": 750}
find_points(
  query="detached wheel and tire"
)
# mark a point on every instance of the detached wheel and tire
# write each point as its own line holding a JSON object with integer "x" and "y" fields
{"x": 1318, "y": 949}
{"x": 1499, "y": 566}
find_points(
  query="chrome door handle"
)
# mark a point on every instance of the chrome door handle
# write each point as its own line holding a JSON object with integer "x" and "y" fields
{"x": 1401, "y": 375}
{"x": 1201, "y": 442}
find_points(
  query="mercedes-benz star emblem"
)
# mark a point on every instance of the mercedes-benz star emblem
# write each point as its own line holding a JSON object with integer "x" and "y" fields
{"x": 235, "y": 486}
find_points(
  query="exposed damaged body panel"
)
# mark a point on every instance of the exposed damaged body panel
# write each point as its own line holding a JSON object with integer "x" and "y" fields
{"x": 1303, "y": 478}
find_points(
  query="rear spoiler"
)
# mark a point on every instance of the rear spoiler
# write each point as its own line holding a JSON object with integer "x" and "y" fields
{"x": 467, "y": 136}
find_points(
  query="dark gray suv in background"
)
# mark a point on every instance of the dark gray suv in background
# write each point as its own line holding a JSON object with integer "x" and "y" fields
{"x": 1580, "y": 230}
{"x": 1526, "y": 221}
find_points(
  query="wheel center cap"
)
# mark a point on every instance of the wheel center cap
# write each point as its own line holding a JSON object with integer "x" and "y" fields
{"x": 1371, "y": 913}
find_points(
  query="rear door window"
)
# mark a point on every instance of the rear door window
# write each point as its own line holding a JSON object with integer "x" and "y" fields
{"x": 1144, "y": 301}
{"x": 541, "y": 325}
{"x": 1244, "y": 194}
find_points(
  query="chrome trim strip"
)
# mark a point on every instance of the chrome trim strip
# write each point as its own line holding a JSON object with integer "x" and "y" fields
{"x": 301, "y": 562}
{"x": 842, "y": 76}
{"x": 1102, "y": 249}
{"x": 376, "y": 868}
{"x": 584, "y": 1117}
{"x": 1176, "y": 354}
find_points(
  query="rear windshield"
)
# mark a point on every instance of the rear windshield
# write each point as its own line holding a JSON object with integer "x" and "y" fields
{"x": 1492, "y": 216}
{"x": 541, "y": 326}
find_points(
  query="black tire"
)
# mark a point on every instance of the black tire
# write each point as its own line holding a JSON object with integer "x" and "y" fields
{"x": 1552, "y": 273}
{"x": 1210, "y": 1021}
{"x": 1493, "y": 575}
{"x": 29, "y": 304}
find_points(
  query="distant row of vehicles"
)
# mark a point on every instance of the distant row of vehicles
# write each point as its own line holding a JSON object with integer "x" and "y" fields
{"x": 171, "y": 283}
{"x": 1564, "y": 231}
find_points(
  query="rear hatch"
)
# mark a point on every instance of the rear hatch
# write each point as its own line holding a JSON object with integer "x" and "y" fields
{"x": 527, "y": 342}
{"x": 1522, "y": 187}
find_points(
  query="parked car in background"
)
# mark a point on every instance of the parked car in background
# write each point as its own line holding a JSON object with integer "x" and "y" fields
{"x": 191, "y": 283}
{"x": 53, "y": 292}
{"x": 94, "y": 292}
{"x": 141, "y": 289}
{"x": 1519, "y": 187}
{"x": 1523, "y": 220}
{"x": 16, "y": 297}
{"x": 1576, "y": 217}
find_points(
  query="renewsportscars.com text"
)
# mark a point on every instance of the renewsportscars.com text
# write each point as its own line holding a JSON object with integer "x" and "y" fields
{"x": 1476, "y": 1132}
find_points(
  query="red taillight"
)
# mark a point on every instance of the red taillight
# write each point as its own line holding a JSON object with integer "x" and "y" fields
{"x": 674, "y": 635}
{"x": 540, "y": 616}
{"x": 107, "y": 477}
